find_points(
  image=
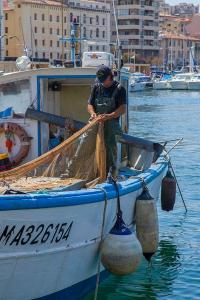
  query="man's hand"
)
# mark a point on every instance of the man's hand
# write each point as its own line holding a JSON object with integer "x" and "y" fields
{"x": 105, "y": 117}
{"x": 93, "y": 115}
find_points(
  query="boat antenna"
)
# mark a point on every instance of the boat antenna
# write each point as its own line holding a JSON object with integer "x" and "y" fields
{"x": 117, "y": 38}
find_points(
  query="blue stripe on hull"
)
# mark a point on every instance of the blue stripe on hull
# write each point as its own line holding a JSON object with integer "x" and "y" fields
{"x": 76, "y": 291}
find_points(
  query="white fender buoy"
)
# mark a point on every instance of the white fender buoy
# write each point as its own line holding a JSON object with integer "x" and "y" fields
{"x": 147, "y": 224}
{"x": 121, "y": 251}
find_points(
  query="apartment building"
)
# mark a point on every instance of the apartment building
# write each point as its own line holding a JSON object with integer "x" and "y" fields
{"x": 176, "y": 48}
{"x": 1, "y": 31}
{"x": 138, "y": 23}
{"x": 37, "y": 27}
{"x": 185, "y": 9}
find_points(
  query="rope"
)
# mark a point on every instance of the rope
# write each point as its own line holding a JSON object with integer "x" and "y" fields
{"x": 101, "y": 239}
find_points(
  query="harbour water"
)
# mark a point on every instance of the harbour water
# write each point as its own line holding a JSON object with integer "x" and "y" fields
{"x": 175, "y": 271}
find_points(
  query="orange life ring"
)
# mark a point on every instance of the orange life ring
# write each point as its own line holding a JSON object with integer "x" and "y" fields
{"x": 24, "y": 141}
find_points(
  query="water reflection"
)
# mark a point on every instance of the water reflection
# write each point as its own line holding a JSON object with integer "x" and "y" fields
{"x": 149, "y": 281}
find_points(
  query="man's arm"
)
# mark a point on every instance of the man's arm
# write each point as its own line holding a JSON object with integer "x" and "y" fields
{"x": 91, "y": 111}
{"x": 91, "y": 100}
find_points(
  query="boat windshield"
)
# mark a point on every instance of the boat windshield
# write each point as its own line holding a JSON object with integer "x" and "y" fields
{"x": 183, "y": 77}
{"x": 16, "y": 95}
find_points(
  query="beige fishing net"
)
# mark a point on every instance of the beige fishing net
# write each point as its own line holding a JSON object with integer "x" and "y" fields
{"x": 80, "y": 158}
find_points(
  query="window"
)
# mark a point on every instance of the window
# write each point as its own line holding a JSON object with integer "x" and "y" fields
{"x": 90, "y": 48}
{"x": 65, "y": 56}
{"x": 6, "y": 16}
{"x": 43, "y": 17}
{"x": 97, "y": 20}
{"x": 36, "y": 54}
{"x": 6, "y": 29}
{"x": 90, "y": 20}
{"x": 43, "y": 54}
{"x": 58, "y": 31}
{"x": 65, "y": 19}
{"x": 50, "y": 18}
{"x": 78, "y": 19}
{"x": 84, "y": 19}
{"x": 36, "y": 42}
{"x": 104, "y": 48}
{"x": 103, "y": 34}
{"x": 65, "y": 44}
{"x": 57, "y": 19}
{"x": 43, "y": 43}
{"x": 103, "y": 22}
{"x": 58, "y": 55}
{"x": 58, "y": 44}
{"x": 6, "y": 52}
{"x": 84, "y": 32}
{"x": 51, "y": 43}
{"x": 43, "y": 30}
{"x": 97, "y": 48}
{"x": 51, "y": 55}
{"x": 35, "y": 17}
{"x": 51, "y": 30}
{"x": 91, "y": 33}
{"x": 35, "y": 29}
{"x": 97, "y": 32}
{"x": 6, "y": 41}
{"x": 71, "y": 17}
{"x": 65, "y": 32}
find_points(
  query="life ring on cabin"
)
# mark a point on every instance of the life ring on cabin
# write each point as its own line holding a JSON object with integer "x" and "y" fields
{"x": 13, "y": 129}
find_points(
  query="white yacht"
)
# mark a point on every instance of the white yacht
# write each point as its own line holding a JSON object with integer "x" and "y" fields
{"x": 180, "y": 81}
{"x": 162, "y": 83}
{"x": 194, "y": 83}
{"x": 139, "y": 82}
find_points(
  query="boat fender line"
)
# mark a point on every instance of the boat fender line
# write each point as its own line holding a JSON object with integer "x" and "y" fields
{"x": 17, "y": 130}
{"x": 101, "y": 240}
{"x": 121, "y": 251}
{"x": 147, "y": 228}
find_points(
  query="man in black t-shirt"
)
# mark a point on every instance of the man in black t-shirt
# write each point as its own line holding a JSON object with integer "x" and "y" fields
{"x": 108, "y": 100}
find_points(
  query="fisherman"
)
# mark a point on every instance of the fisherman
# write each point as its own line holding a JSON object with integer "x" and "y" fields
{"x": 108, "y": 101}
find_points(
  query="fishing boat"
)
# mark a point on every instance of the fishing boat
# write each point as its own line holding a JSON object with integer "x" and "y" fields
{"x": 194, "y": 83}
{"x": 50, "y": 226}
{"x": 180, "y": 81}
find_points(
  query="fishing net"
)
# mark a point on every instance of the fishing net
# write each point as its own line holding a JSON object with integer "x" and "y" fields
{"x": 80, "y": 157}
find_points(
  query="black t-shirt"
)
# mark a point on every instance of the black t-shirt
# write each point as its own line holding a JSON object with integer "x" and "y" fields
{"x": 120, "y": 96}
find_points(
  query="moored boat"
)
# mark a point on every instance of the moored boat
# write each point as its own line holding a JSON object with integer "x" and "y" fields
{"x": 180, "y": 81}
{"x": 50, "y": 230}
{"x": 194, "y": 83}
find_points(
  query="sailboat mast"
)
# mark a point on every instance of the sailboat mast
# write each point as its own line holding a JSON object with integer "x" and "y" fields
{"x": 62, "y": 29}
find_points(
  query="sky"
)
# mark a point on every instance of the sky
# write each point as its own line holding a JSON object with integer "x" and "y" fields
{"x": 186, "y": 1}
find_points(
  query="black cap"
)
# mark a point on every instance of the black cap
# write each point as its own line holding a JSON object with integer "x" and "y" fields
{"x": 103, "y": 73}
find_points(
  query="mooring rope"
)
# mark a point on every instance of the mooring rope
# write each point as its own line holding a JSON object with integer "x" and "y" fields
{"x": 101, "y": 240}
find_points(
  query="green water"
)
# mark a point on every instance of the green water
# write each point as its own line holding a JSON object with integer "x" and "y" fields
{"x": 175, "y": 274}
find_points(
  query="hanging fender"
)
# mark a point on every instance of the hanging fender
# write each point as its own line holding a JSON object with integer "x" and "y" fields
{"x": 17, "y": 130}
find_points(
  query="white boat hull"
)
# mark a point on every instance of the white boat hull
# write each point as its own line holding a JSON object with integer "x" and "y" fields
{"x": 161, "y": 85}
{"x": 52, "y": 252}
{"x": 194, "y": 85}
{"x": 137, "y": 87}
{"x": 179, "y": 85}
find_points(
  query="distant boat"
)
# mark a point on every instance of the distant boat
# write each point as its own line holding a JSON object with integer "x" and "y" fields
{"x": 194, "y": 83}
{"x": 139, "y": 82}
{"x": 180, "y": 81}
{"x": 163, "y": 83}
